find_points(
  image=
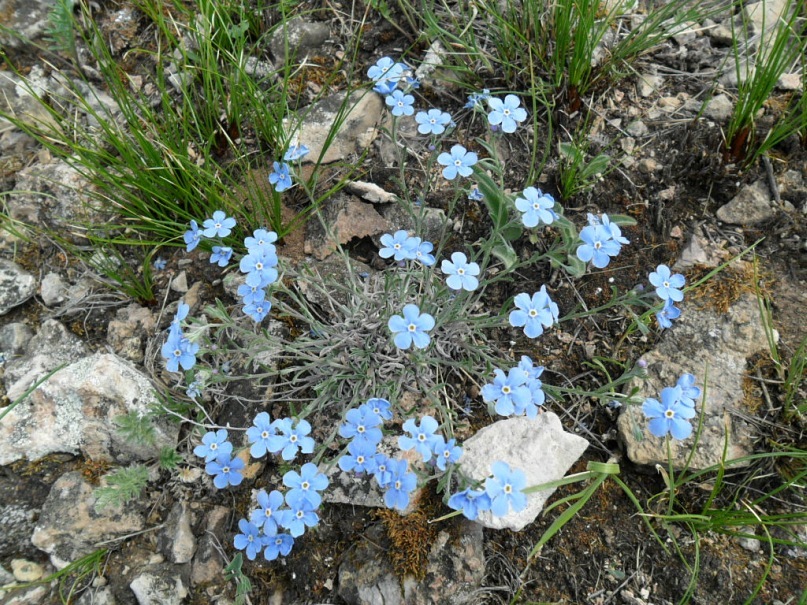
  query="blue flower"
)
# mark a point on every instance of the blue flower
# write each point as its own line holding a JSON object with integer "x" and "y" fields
{"x": 386, "y": 71}
{"x": 667, "y": 313}
{"x": 295, "y": 152}
{"x": 535, "y": 313}
{"x": 251, "y": 294}
{"x": 258, "y": 435}
{"x": 380, "y": 407}
{"x": 471, "y": 502}
{"x": 300, "y": 516}
{"x": 423, "y": 438}
{"x": 446, "y": 453}
{"x": 459, "y": 161}
{"x": 506, "y": 113}
{"x": 214, "y": 445}
{"x": 361, "y": 457}
{"x": 382, "y": 472}
{"x": 423, "y": 253}
{"x": 411, "y": 82}
{"x": 670, "y": 416}
{"x": 399, "y": 246}
{"x": 265, "y": 515}
{"x": 537, "y": 398}
{"x": 192, "y": 236}
{"x": 280, "y": 176}
{"x": 536, "y": 208}
{"x": 193, "y": 391}
{"x": 508, "y": 391}
{"x": 668, "y": 285}
{"x": 400, "y": 485}
{"x": 385, "y": 87}
{"x": 531, "y": 371}
{"x": 179, "y": 351}
{"x": 411, "y": 328}
{"x": 689, "y": 392}
{"x": 598, "y": 246}
{"x": 279, "y": 544}
{"x": 305, "y": 485}
{"x": 259, "y": 265}
{"x": 226, "y": 471}
{"x": 614, "y": 230}
{"x": 258, "y": 310}
{"x": 433, "y": 121}
{"x": 475, "y": 195}
{"x": 402, "y": 104}
{"x": 292, "y": 438}
{"x": 476, "y": 99}
{"x": 262, "y": 241}
{"x": 362, "y": 423}
{"x": 159, "y": 264}
{"x": 221, "y": 255}
{"x": 504, "y": 489}
{"x": 249, "y": 539}
{"x": 219, "y": 226}
{"x": 461, "y": 274}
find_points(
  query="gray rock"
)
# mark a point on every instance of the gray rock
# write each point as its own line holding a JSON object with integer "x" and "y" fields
{"x": 56, "y": 196}
{"x": 432, "y": 225}
{"x": 370, "y": 192}
{"x": 789, "y": 82}
{"x": 176, "y": 540}
{"x": 700, "y": 251}
{"x": 130, "y": 329}
{"x": 719, "y": 108}
{"x": 649, "y": 84}
{"x": 722, "y": 35}
{"x": 26, "y": 571}
{"x": 455, "y": 569}
{"x": 338, "y": 269}
{"x": 208, "y": 563}
{"x": 75, "y": 410}
{"x": 539, "y": 447}
{"x": 26, "y": 18}
{"x": 52, "y": 290}
{"x": 35, "y": 595}
{"x": 637, "y": 129}
{"x": 749, "y": 544}
{"x": 52, "y": 346}
{"x": 97, "y": 596}
{"x": 14, "y": 337}
{"x": 180, "y": 283}
{"x": 342, "y": 219}
{"x": 69, "y": 526}
{"x": 159, "y": 585}
{"x": 702, "y": 339}
{"x": 298, "y": 38}
{"x": 751, "y": 206}
{"x": 16, "y": 100}
{"x": 765, "y": 16}
{"x": 354, "y": 119}
{"x": 16, "y": 524}
{"x": 16, "y": 285}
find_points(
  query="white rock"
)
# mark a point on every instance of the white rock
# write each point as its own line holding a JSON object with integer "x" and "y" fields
{"x": 539, "y": 447}
{"x": 16, "y": 285}
{"x": 52, "y": 289}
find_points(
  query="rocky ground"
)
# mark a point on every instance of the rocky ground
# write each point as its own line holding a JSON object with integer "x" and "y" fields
{"x": 172, "y": 545}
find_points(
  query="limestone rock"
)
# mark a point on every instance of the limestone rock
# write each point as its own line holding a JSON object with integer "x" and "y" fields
{"x": 297, "y": 38}
{"x": 539, "y": 447}
{"x": 75, "y": 410}
{"x": 26, "y": 18}
{"x": 16, "y": 285}
{"x": 52, "y": 290}
{"x": 129, "y": 330}
{"x": 701, "y": 340}
{"x": 159, "y": 585}
{"x": 69, "y": 526}
{"x": 719, "y": 108}
{"x": 51, "y": 347}
{"x": 751, "y": 206}
{"x": 207, "y": 561}
{"x": 176, "y": 540}
{"x": 354, "y": 118}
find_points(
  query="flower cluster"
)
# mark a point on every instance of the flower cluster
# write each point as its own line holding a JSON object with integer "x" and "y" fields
{"x": 178, "y": 350}
{"x": 301, "y": 501}
{"x": 602, "y": 240}
{"x": 534, "y": 313}
{"x": 672, "y": 414}
{"x": 503, "y": 491}
{"x": 363, "y": 427}
{"x": 220, "y": 463}
{"x": 431, "y": 446}
{"x": 518, "y": 392}
{"x": 387, "y": 74}
{"x": 259, "y": 264}
{"x": 668, "y": 288}
{"x": 281, "y": 436}
{"x": 220, "y": 226}
{"x": 400, "y": 246}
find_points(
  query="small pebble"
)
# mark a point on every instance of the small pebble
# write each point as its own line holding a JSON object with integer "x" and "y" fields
{"x": 26, "y": 571}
